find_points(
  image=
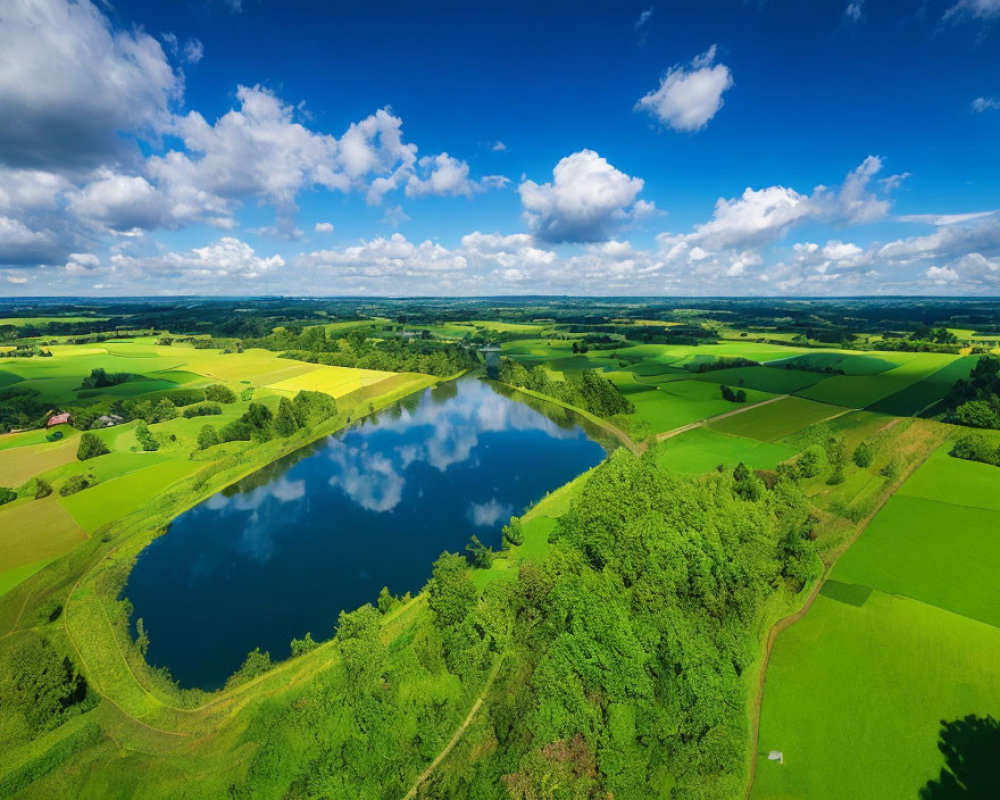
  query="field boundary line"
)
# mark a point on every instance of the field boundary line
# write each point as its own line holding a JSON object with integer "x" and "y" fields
{"x": 662, "y": 437}
{"x": 785, "y": 623}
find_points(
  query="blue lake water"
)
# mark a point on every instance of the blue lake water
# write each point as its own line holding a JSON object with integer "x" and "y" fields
{"x": 285, "y": 550}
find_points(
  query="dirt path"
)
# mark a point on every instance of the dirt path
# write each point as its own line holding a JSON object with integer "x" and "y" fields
{"x": 661, "y": 437}
{"x": 459, "y": 732}
{"x": 786, "y": 622}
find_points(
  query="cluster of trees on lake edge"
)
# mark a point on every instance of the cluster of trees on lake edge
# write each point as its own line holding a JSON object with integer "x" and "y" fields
{"x": 591, "y": 392}
{"x": 621, "y": 656}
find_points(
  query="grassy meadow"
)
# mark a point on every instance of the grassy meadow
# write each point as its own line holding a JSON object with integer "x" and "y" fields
{"x": 904, "y": 636}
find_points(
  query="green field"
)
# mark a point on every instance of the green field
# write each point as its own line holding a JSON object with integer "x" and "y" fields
{"x": 855, "y": 697}
{"x": 776, "y": 420}
{"x": 678, "y": 403}
{"x": 927, "y": 392}
{"x": 862, "y": 391}
{"x": 904, "y": 637}
{"x": 702, "y": 449}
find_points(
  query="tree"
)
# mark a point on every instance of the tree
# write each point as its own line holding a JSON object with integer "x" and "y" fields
{"x": 258, "y": 417}
{"x": 7, "y": 495}
{"x": 451, "y": 593}
{"x": 145, "y": 438}
{"x": 977, "y": 414}
{"x": 386, "y": 601}
{"x": 836, "y": 452}
{"x": 513, "y": 533}
{"x": 864, "y": 454}
{"x": 256, "y": 663}
{"x": 480, "y": 555}
{"x": 811, "y": 462}
{"x": 975, "y": 447}
{"x": 207, "y": 437}
{"x": 219, "y": 393}
{"x": 90, "y": 446}
{"x": 286, "y": 422}
{"x": 304, "y": 645}
{"x": 74, "y": 484}
{"x": 44, "y": 685}
{"x": 141, "y": 637}
{"x": 42, "y": 488}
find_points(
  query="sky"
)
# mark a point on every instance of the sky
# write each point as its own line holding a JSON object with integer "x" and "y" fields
{"x": 718, "y": 148}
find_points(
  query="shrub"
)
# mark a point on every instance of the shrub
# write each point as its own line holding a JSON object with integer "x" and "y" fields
{"x": 304, "y": 645}
{"x": 207, "y": 437}
{"x": 975, "y": 448}
{"x": 811, "y": 462}
{"x": 219, "y": 393}
{"x": 42, "y": 488}
{"x": 145, "y": 438}
{"x": 513, "y": 532}
{"x": 91, "y": 446}
{"x": 864, "y": 454}
{"x": 7, "y": 495}
{"x": 256, "y": 663}
{"x": 977, "y": 414}
{"x": 203, "y": 410}
{"x": 74, "y": 484}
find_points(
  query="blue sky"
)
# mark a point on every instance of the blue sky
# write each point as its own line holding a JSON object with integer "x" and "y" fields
{"x": 774, "y": 147}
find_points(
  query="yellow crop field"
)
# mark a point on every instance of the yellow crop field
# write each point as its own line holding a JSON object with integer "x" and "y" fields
{"x": 20, "y": 464}
{"x": 335, "y": 381}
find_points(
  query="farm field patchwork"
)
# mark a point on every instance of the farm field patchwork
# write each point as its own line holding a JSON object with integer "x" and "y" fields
{"x": 912, "y": 608}
{"x": 682, "y": 402}
{"x": 862, "y": 391}
{"x": 928, "y": 392}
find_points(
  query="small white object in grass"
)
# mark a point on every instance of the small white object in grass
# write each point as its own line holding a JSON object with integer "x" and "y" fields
{"x": 776, "y": 755}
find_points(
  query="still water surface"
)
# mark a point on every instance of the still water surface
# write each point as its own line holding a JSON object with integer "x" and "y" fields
{"x": 282, "y": 552}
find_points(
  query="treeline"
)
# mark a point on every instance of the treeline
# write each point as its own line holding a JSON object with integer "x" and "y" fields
{"x": 357, "y": 349}
{"x": 591, "y": 392}
{"x": 258, "y": 423}
{"x": 976, "y": 402}
{"x": 976, "y": 447}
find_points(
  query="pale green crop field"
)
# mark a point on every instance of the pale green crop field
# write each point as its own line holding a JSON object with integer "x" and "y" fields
{"x": 682, "y": 402}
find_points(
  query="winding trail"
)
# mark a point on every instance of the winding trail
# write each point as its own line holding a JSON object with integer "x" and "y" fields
{"x": 457, "y": 735}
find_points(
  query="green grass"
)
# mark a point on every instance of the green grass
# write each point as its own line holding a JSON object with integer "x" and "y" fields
{"x": 776, "y": 420}
{"x": 678, "y": 403}
{"x": 942, "y": 554}
{"x": 847, "y": 362}
{"x": 927, "y": 392}
{"x": 863, "y": 391}
{"x": 10, "y": 578}
{"x": 904, "y": 635}
{"x": 954, "y": 480}
{"x": 702, "y": 449}
{"x": 766, "y": 379}
{"x": 114, "y": 499}
{"x": 855, "y": 696}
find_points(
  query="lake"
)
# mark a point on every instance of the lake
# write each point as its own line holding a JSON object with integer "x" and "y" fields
{"x": 324, "y": 529}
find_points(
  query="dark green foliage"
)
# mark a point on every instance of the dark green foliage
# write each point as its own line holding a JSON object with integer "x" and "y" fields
{"x": 811, "y": 462}
{"x": 513, "y": 533}
{"x": 74, "y": 484}
{"x": 60, "y": 753}
{"x": 207, "y": 437}
{"x": 976, "y": 402}
{"x": 141, "y": 637}
{"x": 386, "y": 601}
{"x": 975, "y": 447}
{"x": 864, "y": 454}
{"x": 747, "y": 484}
{"x": 98, "y": 379}
{"x": 634, "y": 634}
{"x": 258, "y": 418}
{"x": 836, "y": 454}
{"x": 313, "y": 406}
{"x": 219, "y": 393}
{"x": 969, "y": 746}
{"x": 304, "y": 645}
{"x": 256, "y": 663}
{"x": 592, "y": 392}
{"x": 43, "y": 685}
{"x": 42, "y": 488}
{"x": 733, "y": 395}
{"x": 287, "y": 421}
{"x": 91, "y": 446}
{"x": 723, "y": 363}
{"x": 145, "y": 438}
{"x": 451, "y": 594}
{"x": 480, "y": 556}
{"x": 21, "y": 409}
{"x": 203, "y": 410}
{"x": 149, "y": 410}
{"x": 7, "y": 495}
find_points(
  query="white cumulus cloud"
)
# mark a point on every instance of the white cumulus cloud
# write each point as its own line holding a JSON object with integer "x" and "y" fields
{"x": 688, "y": 97}
{"x": 587, "y": 200}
